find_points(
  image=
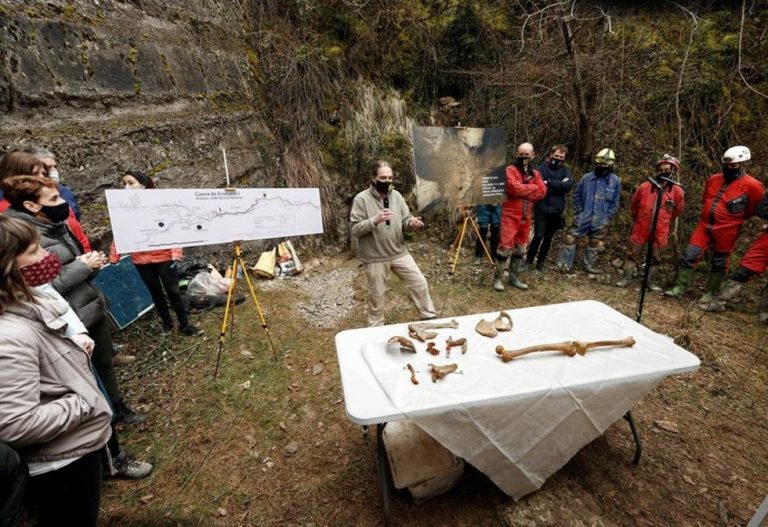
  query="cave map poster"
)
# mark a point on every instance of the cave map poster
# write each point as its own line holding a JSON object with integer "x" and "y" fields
{"x": 458, "y": 167}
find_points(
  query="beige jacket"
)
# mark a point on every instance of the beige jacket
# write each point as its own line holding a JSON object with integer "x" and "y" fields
{"x": 50, "y": 405}
{"x": 377, "y": 243}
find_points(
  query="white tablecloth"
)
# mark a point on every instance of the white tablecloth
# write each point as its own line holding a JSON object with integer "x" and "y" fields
{"x": 519, "y": 422}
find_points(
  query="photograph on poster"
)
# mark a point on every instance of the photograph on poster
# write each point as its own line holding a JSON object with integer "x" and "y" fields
{"x": 458, "y": 167}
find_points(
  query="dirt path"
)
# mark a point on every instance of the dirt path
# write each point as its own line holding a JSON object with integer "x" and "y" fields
{"x": 267, "y": 442}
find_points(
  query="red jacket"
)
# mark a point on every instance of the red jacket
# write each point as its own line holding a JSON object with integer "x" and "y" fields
{"x": 642, "y": 206}
{"x": 147, "y": 257}
{"x": 522, "y": 192}
{"x": 74, "y": 226}
{"x": 726, "y": 207}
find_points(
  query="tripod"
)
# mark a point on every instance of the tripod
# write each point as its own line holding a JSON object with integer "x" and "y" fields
{"x": 468, "y": 219}
{"x": 229, "y": 310}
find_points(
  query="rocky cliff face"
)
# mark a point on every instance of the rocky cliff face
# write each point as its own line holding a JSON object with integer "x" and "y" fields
{"x": 155, "y": 85}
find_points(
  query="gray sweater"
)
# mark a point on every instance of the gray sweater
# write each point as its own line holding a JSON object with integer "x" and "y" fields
{"x": 377, "y": 243}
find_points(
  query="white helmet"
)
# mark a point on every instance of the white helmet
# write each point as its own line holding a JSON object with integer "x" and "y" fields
{"x": 737, "y": 154}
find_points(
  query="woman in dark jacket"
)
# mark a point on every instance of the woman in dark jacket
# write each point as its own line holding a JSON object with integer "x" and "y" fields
{"x": 35, "y": 199}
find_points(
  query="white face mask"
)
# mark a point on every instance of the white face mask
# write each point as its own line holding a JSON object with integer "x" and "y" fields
{"x": 54, "y": 175}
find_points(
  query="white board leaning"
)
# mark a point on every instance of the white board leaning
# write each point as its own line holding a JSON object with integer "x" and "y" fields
{"x": 149, "y": 219}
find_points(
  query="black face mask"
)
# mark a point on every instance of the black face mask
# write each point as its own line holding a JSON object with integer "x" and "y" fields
{"x": 660, "y": 175}
{"x": 522, "y": 162}
{"x": 731, "y": 173}
{"x": 602, "y": 171}
{"x": 556, "y": 163}
{"x": 382, "y": 187}
{"x": 56, "y": 213}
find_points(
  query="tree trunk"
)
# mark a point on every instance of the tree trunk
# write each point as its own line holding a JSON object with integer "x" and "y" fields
{"x": 585, "y": 146}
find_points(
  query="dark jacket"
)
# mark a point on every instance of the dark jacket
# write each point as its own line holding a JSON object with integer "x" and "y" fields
{"x": 554, "y": 201}
{"x": 762, "y": 207}
{"x": 73, "y": 282}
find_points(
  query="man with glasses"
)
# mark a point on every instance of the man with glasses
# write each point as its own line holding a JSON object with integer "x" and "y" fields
{"x": 378, "y": 218}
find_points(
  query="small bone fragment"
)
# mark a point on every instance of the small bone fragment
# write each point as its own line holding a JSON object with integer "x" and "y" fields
{"x": 486, "y": 329}
{"x": 458, "y": 342}
{"x": 438, "y": 372}
{"x": 414, "y": 380}
{"x": 405, "y": 344}
{"x": 570, "y": 347}
{"x": 431, "y": 349}
{"x": 499, "y": 323}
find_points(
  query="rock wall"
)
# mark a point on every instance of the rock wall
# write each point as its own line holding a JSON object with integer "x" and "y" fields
{"x": 156, "y": 85}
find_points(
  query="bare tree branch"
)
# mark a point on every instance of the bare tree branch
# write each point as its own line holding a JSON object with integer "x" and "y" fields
{"x": 531, "y": 15}
{"x": 741, "y": 36}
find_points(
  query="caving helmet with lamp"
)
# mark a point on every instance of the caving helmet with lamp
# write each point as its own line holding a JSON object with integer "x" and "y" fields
{"x": 605, "y": 157}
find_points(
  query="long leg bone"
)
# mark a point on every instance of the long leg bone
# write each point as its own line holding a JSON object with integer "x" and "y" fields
{"x": 405, "y": 344}
{"x": 438, "y": 372}
{"x": 414, "y": 380}
{"x": 458, "y": 342}
{"x": 570, "y": 347}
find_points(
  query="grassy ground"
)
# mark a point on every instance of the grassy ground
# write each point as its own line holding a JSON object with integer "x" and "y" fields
{"x": 268, "y": 443}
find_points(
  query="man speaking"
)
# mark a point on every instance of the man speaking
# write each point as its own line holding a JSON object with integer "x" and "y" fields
{"x": 379, "y": 215}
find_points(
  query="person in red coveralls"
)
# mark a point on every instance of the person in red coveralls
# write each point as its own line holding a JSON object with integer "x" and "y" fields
{"x": 753, "y": 263}
{"x": 24, "y": 164}
{"x": 524, "y": 188}
{"x": 642, "y": 208}
{"x": 730, "y": 198}
{"x": 158, "y": 270}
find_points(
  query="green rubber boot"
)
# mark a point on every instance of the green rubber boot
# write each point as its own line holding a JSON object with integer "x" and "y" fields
{"x": 514, "y": 269}
{"x": 684, "y": 276}
{"x": 498, "y": 284}
{"x": 713, "y": 286}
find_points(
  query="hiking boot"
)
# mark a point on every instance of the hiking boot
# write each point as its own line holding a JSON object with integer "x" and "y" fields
{"x": 706, "y": 299}
{"x": 191, "y": 331}
{"x": 626, "y": 277}
{"x": 126, "y": 467}
{"x": 715, "y": 304}
{"x": 167, "y": 328}
{"x": 540, "y": 267}
{"x": 523, "y": 267}
{"x": 127, "y": 415}
{"x": 121, "y": 359}
{"x": 591, "y": 270}
{"x": 590, "y": 260}
{"x": 684, "y": 276}
{"x": 763, "y": 317}
{"x": 652, "y": 285}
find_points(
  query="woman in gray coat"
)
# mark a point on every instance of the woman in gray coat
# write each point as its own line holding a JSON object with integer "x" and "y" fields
{"x": 51, "y": 409}
{"x": 36, "y": 200}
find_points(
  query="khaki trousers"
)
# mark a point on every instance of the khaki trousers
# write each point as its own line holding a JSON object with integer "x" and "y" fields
{"x": 407, "y": 270}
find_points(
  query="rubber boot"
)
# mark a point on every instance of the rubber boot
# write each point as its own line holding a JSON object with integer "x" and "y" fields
{"x": 728, "y": 292}
{"x": 684, "y": 275}
{"x": 514, "y": 269}
{"x": 626, "y": 277}
{"x": 498, "y": 285}
{"x": 712, "y": 287}
{"x": 566, "y": 257}
{"x": 652, "y": 285}
{"x": 590, "y": 260}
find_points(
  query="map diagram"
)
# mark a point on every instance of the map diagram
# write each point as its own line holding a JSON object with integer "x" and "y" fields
{"x": 149, "y": 219}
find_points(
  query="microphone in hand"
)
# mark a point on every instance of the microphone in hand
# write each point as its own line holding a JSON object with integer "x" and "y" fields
{"x": 386, "y": 206}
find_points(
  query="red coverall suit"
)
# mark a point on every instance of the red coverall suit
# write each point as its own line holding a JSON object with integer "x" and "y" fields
{"x": 725, "y": 207}
{"x": 523, "y": 190}
{"x": 641, "y": 208}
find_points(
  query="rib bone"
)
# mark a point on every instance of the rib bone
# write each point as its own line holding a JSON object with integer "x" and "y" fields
{"x": 570, "y": 347}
